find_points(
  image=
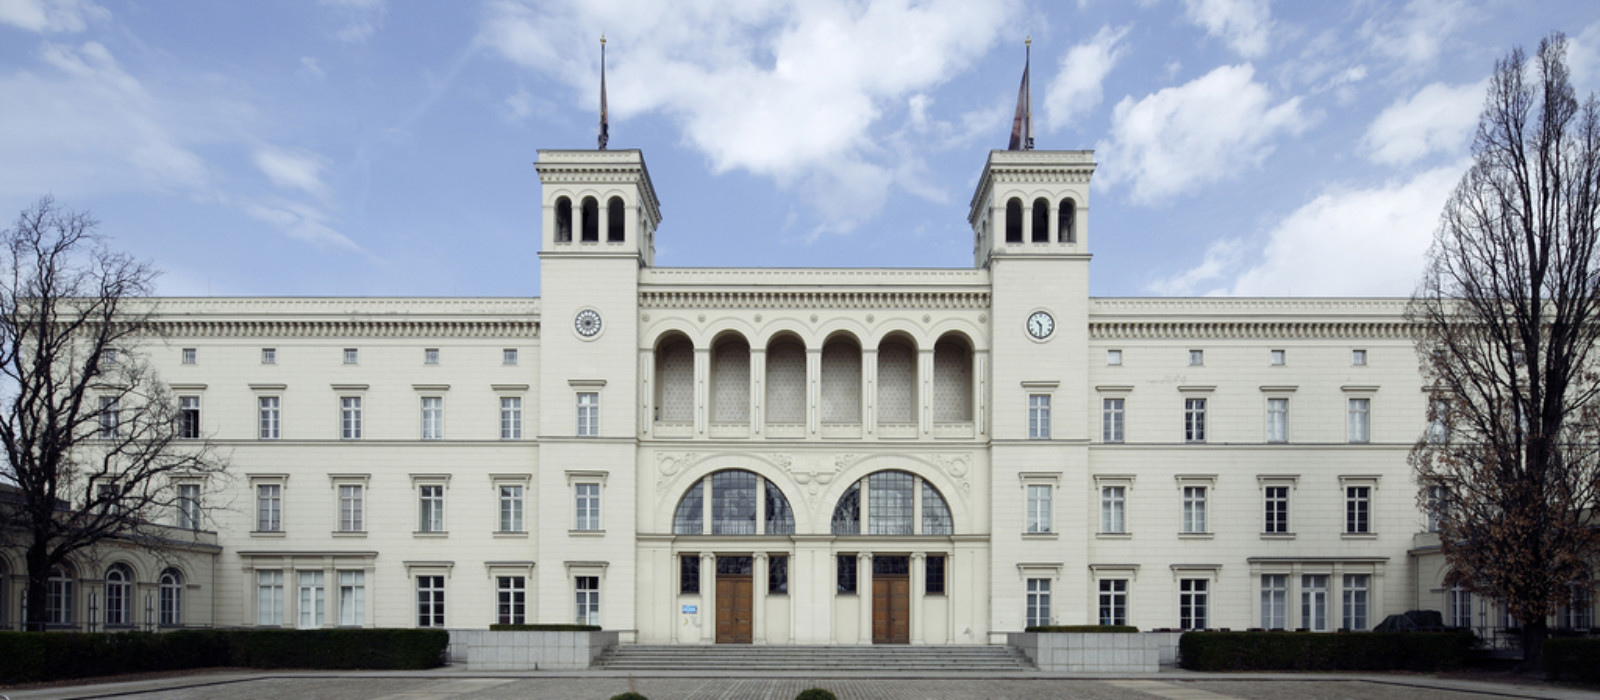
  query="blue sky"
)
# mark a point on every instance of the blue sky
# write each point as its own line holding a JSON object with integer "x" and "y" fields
{"x": 373, "y": 147}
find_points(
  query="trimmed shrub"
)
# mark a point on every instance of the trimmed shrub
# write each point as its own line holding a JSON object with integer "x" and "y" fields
{"x": 338, "y": 649}
{"x": 1290, "y": 651}
{"x": 815, "y": 694}
{"x": 1574, "y": 657}
{"x": 544, "y": 628}
{"x": 630, "y": 695}
{"x": 1119, "y": 629}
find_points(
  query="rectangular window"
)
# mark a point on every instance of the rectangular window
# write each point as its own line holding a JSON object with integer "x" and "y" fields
{"x": 430, "y": 601}
{"x": 1113, "y": 601}
{"x": 1275, "y": 601}
{"x": 432, "y": 418}
{"x": 1038, "y": 602}
{"x": 1277, "y": 420}
{"x": 934, "y": 575}
{"x": 847, "y": 573}
{"x": 431, "y": 515}
{"x": 1438, "y": 500}
{"x": 350, "y": 508}
{"x": 350, "y": 356}
{"x": 1277, "y": 510}
{"x": 508, "y": 356}
{"x": 311, "y": 600}
{"x": 1460, "y": 607}
{"x": 1580, "y": 608}
{"x": 1439, "y": 422}
{"x": 430, "y": 356}
{"x": 1111, "y": 420}
{"x": 511, "y": 418}
{"x": 588, "y": 507}
{"x": 110, "y": 416}
{"x": 1360, "y": 424}
{"x": 1114, "y": 357}
{"x": 1194, "y": 509}
{"x": 1358, "y": 358}
{"x": 511, "y": 605}
{"x": 270, "y": 418}
{"x": 350, "y": 417}
{"x": 588, "y": 414}
{"x": 58, "y": 600}
{"x": 778, "y": 575}
{"x": 1355, "y": 601}
{"x": 1314, "y": 602}
{"x": 689, "y": 574}
{"x": 188, "y": 417}
{"x": 1038, "y": 416}
{"x": 189, "y": 356}
{"x": 188, "y": 506}
{"x": 1197, "y": 358}
{"x": 1113, "y": 509}
{"x": 1039, "y": 510}
{"x": 588, "y": 590}
{"x": 352, "y": 598}
{"x": 511, "y": 508}
{"x": 269, "y": 356}
{"x": 1194, "y": 420}
{"x": 269, "y": 598}
{"x": 1192, "y": 603}
{"x": 1276, "y": 357}
{"x": 269, "y": 508}
{"x": 1357, "y": 509}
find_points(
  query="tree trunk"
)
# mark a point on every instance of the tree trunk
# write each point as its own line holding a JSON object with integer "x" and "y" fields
{"x": 38, "y": 586}
{"x": 1533, "y": 636}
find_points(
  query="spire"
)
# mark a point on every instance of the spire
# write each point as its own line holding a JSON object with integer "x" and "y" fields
{"x": 605, "y": 125}
{"x": 1022, "y": 124}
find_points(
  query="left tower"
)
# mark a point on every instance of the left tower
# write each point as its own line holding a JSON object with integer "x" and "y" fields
{"x": 599, "y": 219}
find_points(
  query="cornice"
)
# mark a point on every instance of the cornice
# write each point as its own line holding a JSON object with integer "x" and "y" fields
{"x": 1222, "y": 330}
{"x": 812, "y": 299}
{"x": 346, "y": 317}
{"x": 1245, "y": 318}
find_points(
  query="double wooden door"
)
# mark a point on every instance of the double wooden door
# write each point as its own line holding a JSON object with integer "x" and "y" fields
{"x": 891, "y": 609}
{"x": 735, "y": 601}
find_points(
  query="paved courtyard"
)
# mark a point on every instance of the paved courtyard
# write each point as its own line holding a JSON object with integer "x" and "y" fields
{"x": 601, "y": 688}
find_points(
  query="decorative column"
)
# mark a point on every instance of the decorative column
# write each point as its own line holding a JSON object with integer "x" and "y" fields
{"x": 813, "y": 390}
{"x": 869, "y": 395}
{"x": 864, "y": 592}
{"x": 1054, "y": 234}
{"x": 758, "y": 375}
{"x": 758, "y": 596}
{"x": 702, "y": 391}
{"x": 919, "y": 586}
{"x": 647, "y": 407}
{"x": 708, "y": 598}
{"x": 925, "y": 388}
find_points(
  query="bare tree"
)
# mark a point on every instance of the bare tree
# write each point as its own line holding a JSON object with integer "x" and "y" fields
{"x": 1506, "y": 316}
{"x": 96, "y": 448}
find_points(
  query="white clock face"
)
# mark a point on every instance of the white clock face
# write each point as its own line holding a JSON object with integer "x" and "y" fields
{"x": 1041, "y": 325}
{"x": 587, "y": 323}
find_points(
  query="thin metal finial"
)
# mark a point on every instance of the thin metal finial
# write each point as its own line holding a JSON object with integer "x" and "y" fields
{"x": 602, "y": 38}
{"x": 1025, "y": 42}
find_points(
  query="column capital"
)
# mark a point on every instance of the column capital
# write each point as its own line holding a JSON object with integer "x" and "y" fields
{"x": 919, "y": 556}
{"x": 759, "y": 556}
{"x": 864, "y": 556}
{"x": 709, "y": 556}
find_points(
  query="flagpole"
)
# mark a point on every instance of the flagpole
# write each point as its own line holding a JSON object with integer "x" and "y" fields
{"x": 605, "y": 127}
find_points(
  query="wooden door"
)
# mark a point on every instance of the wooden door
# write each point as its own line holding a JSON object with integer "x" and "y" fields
{"x": 734, "y": 606}
{"x": 891, "y": 610}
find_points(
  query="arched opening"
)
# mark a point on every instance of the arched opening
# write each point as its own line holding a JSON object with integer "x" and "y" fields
{"x": 1067, "y": 222}
{"x": 1014, "y": 220}
{"x": 847, "y": 513}
{"x": 730, "y": 381}
{"x": 893, "y": 500}
{"x": 897, "y": 384}
{"x": 841, "y": 381}
{"x": 591, "y": 220}
{"x": 563, "y": 220}
{"x": 58, "y": 596}
{"x": 674, "y": 381}
{"x": 615, "y": 220}
{"x": 732, "y": 495}
{"x": 786, "y": 382}
{"x": 1041, "y": 220}
{"x": 952, "y": 380}
{"x": 171, "y": 598}
{"x": 119, "y": 596}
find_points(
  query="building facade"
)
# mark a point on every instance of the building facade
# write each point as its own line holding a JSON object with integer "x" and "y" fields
{"x": 808, "y": 456}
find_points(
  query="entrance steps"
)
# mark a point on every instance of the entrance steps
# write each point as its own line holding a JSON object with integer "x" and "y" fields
{"x": 876, "y": 658}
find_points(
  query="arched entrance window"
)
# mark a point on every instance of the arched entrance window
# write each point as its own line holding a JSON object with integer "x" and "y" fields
{"x": 58, "y": 597}
{"x": 893, "y": 499}
{"x": 741, "y": 503}
{"x": 171, "y": 598}
{"x": 119, "y": 596}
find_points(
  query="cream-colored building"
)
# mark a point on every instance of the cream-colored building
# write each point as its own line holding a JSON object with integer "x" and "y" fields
{"x": 809, "y": 456}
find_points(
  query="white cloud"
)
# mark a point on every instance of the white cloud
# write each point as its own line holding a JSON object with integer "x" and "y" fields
{"x": 1076, "y": 88}
{"x": 1222, "y": 257}
{"x": 1183, "y": 137}
{"x": 310, "y": 68}
{"x": 301, "y": 222}
{"x": 359, "y": 19}
{"x": 294, "y": 169}
{"x": 1439, "y": 118}
{"x": 790, "y": 90}
{"x": 1242, "y": 24}
{"x": 1583, "y": 58}
{"x": 1419, "y": 32}
{"x": 49, "y": 16}
{"x": 519, "y": 105}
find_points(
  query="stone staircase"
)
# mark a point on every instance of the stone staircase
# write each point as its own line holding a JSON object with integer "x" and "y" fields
{"x": 879, "y": 658}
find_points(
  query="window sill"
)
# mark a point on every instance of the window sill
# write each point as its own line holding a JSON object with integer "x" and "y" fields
{"x": 349, "y": 533}
{"x": 1358, "y": 536}
{"x": 1113, "y": 535}
{"x": 1196, "y": 535}
{"x": 1277, "y": 535}
{"x": 507, "y": 535}
{"x": 267, "y": 533}
{"x": 1041, "y": 535}
{"x": 586, "y": 533}
{"x": 427, "y": 534}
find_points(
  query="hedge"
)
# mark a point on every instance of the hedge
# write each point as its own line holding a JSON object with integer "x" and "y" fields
{"x": 544, "y": 628}
{"x": 30, "y": 657}
{"x": 1304, "y": 651}
{"x": 1081, "y": 628}
{"x": 1574, "y": 656}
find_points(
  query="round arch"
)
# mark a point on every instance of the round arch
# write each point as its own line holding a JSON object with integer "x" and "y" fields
{"x": 683, "y": 475}
{"x": 741, "y": 501}
{"x": 893, "y": 499}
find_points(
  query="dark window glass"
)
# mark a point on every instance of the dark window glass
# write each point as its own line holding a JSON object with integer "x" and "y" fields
{"x": 890, "y": 512}
{"x": 1014, "y": 221}
{"x": 734, "y": 566}
{"x": 614, "y": 220}
{"x": 1041, "y": 221}
{"x": 780, "y": 519}
{"x": 778, "y": 574}
{"x": 591, "y": 220}
{"x": 847, "y": 515}
{"x": 935, "y": 512}
{"x": 563, "y": 220}
{"x": 847, "y": 573}
{"x": 687, "y": 519}
{"x": 733, "y": 503}
{"x": 689, "y": 573}
{"x": 891, "y": 566}
{"x": 935, "y": 574}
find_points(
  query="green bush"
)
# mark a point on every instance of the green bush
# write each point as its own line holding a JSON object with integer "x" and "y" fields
{"x": 1576, "y": 657}
{"x": 815, "y": 694}
{"x": 1120, "y": 629}
{"x": 545, "y": 628}
{"x": 31, "y": 657}
{"x": 630, "y": 695}
{"x": 1289, "y": 651}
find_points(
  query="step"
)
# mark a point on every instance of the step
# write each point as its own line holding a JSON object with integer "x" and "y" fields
{"x": 803, "y": 658}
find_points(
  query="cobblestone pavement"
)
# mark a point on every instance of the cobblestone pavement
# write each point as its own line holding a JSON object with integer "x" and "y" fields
{"x": 787, "y": 688}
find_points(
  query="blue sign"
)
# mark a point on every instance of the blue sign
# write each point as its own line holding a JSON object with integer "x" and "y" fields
{"x": 691, "y": 609}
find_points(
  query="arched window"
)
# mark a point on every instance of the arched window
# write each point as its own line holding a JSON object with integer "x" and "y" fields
{"x": 119, "y": 596}
{"x": 952, "y": 380}
{"x": 786, "y": 381}
{"x": 615, "y": 219}
{"x": 591, "y": 220}
{"x": 841, "y": 381}
{"x": 171, "y": 598}
{"x": 847, "y": 515}
{"x": 1014, "y": 221}
{"x": 674, "y": 380}
{"x": 1067, "y": 221}
{"x": 563, "y": 220}
{"x": 936, "y": 518}
{"x": 730, "y": 381}
{"x": 892, "y": 502}
{"x": 733, "y": 506}
{"x": 897, "y": 382}
{"x": 58, "y": 597}
{"x": 1041, "y": 220}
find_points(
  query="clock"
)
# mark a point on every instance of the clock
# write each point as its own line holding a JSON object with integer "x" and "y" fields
{"x": 1041, "y": 325}
{"x": 587, "y": 323}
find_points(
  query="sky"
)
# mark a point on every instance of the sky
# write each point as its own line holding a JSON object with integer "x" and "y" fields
{"x": 386, "y": 147}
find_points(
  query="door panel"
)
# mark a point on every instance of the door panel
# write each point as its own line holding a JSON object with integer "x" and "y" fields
{"x": 891, "y": 610}
{"x": 735, "y": 622}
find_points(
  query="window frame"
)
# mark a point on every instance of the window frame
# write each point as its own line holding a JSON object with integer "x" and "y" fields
{"x": 1036, "y": 607}
{"x": 1194, "y": 420}
{"x": 1040, "y": 511}
{"x": 1112, "y": 598}
{"x": 269, "y": 418}
{"x": 352, "y": 609}
{"x": 588, "y": 413}
{"x": 510, "y": 418}
{"x": 586, "y": 507}
{"x": 586, "y": 590}
{"x": 1039, "y": 420}
{"x": 1194, "y": 603}
{"x": 1113, "y": 419}
{"x": 1274, "y": 609}
{"x": 1314, "y": 601}
{"x": 190, "y": 356}
{"x": 350, "y": 421}
{"x": 1355, "y": 609}
{"x": 269, "y": 608}
{"x": 1277, "y": 420}
{"x": 511, "y": 599}
{"x": 430, "y": 600}
{"x": 189, "y": 417}
{"x": 269, "y": 356}
{"x": 189, "y": 514}
{"x": 432, "y": 418}
{"x": 1358, "y": 423}
{"x": 269, "y": 519}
